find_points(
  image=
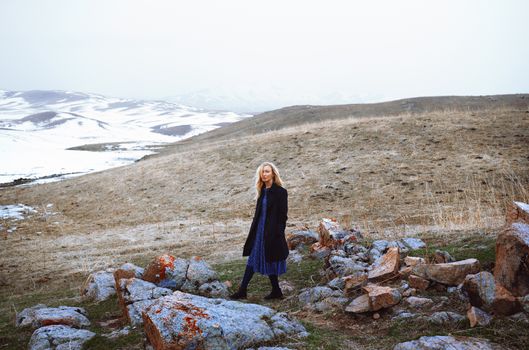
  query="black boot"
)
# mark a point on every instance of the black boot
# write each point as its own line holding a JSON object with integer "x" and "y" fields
{"x": 241, "y": 293}
{"x": 276, "y": 290}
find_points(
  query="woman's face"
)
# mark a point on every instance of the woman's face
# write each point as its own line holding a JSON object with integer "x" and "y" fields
{"x": 266, "y": 173}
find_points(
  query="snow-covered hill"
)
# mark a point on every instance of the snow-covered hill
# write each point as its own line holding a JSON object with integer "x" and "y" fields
{"x": 37, "y": 128}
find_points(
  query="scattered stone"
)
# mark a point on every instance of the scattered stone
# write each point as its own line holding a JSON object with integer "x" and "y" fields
{"x": 354, "y": 282}
{"x": 337, "y": 283}
{"x": 386, "y": 267}
{"x": 295, "y": 257}
{"x": 412, "y": 261}
{"x": 315, "y": 294}
{"x": 445, "y": 317}
{"x": 439, "y": 342}
{"x": 418, "y": 283}
{"x": 525, "y": 303}
{"x": 59, "y": 337}
{"x": 99, "y": 286}
{"x": 287, "y": 287}
{"x": 40, "y": 315}
{"x": 156, "y": 270}
{"x": 402, "y": 315}
{"x": 381, "y": 245}
{"x": 381, "y": 297}
{"x": 443, "y": 257}
{"x": 418, "y": 302}
{"x": 449, "y": 273}
{"x": 215, "y": 289}
{"x": 504, "y": 302}
{"x": 409, "y": 292}
{"x": 328, "y": 304}
{"x": 198, "y": 273}
{"x": 126, "y": 271}
{"x": 331, "y": 234}
{"x": 413, "y": 243}
{"x": 512, "y": 268}
{"x": 117, "y": 333}
{"x": 376, "y": 316}
{"x": 405, "y": 272}
{"x": 341, "y": 266}
{"x": 319, "y": 251}
{"x": 301, "y": 237}
{"x": 480, "y": 288}
{"x": 188, "y": 321}
{"x": 398, "y": 244}
{"x": 359, "y": 305}
{"x": 476, "y": 316}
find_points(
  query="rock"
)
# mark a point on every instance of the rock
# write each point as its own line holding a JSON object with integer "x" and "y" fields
{"x": 59, "y": 337}
{"x": 402, "y": 315}
{"x": 176, "y": 274}
{"x": 386, "y": 267}
{"x": 381, "y": 245}
{"x": 187, "y": 321}
{"x": 517, "y": 212}
{"x": 413, "y": 243}
{"x": 328, "y": 304}
{"x": 155, "y": 271}
{"x": 354, "y": 282}
{"x": 315, "y": 294}
{"x": 215, "y": 289}
{"x": 352, "y": 248}
{"x": 525, "y": 303}
{"x": 381, "y": 297}
{"x": 341, "y": 266}
{"x": 135, "y": 295}
{"x": 477, "y": 316}
{"x": 99, "y": 286}
{"x": 376, "y": 316}
{"x": 126, "y": 271}
{"x": 443, "y": 257}
{"x": 450, "y": 273}
{"x": 287, "y": 287}
{"x": 198, "y": 273}
{"x": 40, "y": 315}
{"x": 485, "y": 293}
{"x": 117, "y": 333}
{"x": 405, "y": 272}
{"x": 319, "y": 251}
{"x": 512, "y": 266}
{"x": 412, "y": 261}
{"x": 418, "y": 283}
{"x": 445, "y": 317}
{"x": 374, "y": 255}
{"x": 519, "y": 317}
{"x": 359, "y": 305}
{"x": 398, "y": 244}
{"x": 294, "y": 257}
{"x": 298, "y": 237}
{"x": 338, "y": 283}
{"x": 331, "y": 234}
{"x": 417, "y": 302}
{"x": 409, "y": 292}
{"x": 138, "y": 271}
{"x": 439, "y": 342}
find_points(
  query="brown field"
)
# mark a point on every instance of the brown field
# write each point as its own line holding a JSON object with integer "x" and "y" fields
{"x": 428, "y": 171}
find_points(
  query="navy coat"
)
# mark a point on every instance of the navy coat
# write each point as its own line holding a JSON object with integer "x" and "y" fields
{"x": 275, "y": 244}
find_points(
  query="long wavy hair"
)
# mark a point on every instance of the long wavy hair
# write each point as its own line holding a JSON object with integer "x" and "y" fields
{"x": 259, "y": 183}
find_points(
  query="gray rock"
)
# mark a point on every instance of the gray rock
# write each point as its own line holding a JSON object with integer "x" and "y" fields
{"x": 448, "y": 343}
{"x": 99, "y": 286}
{"x": 338, "y": 283}
{"x": 189, "y": 321}
{"x": 117, "y": 333}
{"x": 215, "y": 289}
{"x": 418, "y": 302}
{"x": 403, "y": 315}
{"x": 138, "y": 271}
{"x": 59, "y": 337}
{"x": 445, "y": 317}
{"x": 525, "y": 303}
{"x": 134, "y": 311}
{"x": 135, "y": 289}
{"x": 328, "y": 304}
{"x": 443, "y": 257}
{"x": 295, "y": 256}
{"x": 381, "y": 245}
{"x": 400, "y": 245}
{"x": 315, "y": 294}
{"x": 177, "y": 274}
{"x": 374, "y": 255}
{"x": 342, "y": 266}
{"x": 40, "y": 315}
{"x": 413, "y": 243}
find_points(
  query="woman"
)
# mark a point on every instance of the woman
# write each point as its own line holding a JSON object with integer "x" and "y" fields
{"x": 266, "y": 246}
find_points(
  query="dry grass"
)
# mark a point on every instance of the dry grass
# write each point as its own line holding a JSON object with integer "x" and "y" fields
{"x": 393, "y": 175}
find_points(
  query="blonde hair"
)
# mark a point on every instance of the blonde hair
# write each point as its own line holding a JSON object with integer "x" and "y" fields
{"x": 259, "y": 183}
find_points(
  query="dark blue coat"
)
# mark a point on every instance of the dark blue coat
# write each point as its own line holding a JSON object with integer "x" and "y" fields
{"x": 276, "y": 247}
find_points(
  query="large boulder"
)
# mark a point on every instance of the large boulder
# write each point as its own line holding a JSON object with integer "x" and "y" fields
{"x": 386, "y": 267}
{"x": 449, "y": 273}
{"x": 439, "y": 342}
{"x": 517, "y": 212}
{"x": 59, "y": 337}
{"x": 187, "y": 321}
{"x": 41, "y": 315}
{"x": 198, "y": 273}
{"x": 512, "y": 263}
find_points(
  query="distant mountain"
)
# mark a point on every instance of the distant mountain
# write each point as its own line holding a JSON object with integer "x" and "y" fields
{"x": 36, "y": 122}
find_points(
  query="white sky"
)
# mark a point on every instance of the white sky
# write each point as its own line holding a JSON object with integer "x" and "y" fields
{"x": 284, "y": 51}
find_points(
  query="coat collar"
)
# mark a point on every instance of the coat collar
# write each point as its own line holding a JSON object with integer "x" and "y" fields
{"x": 271, "y": 189}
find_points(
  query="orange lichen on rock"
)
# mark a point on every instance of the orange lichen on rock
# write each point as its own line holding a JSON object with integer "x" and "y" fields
{"x": 155, "y": 272}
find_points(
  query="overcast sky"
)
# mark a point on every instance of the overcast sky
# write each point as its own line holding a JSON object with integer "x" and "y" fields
{"x": 269, "y": 52}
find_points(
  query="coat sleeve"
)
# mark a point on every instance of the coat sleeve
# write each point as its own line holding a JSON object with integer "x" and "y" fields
{"x": 283, "y": 211}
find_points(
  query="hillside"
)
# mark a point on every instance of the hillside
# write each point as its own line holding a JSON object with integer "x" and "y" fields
{"x": 420, "y": 172}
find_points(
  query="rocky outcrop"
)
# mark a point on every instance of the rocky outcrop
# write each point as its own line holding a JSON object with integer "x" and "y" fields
{"x": 186, "y": 321}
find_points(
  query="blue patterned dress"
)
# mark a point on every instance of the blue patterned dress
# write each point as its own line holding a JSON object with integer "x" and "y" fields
{"x": 257, "y": 257}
